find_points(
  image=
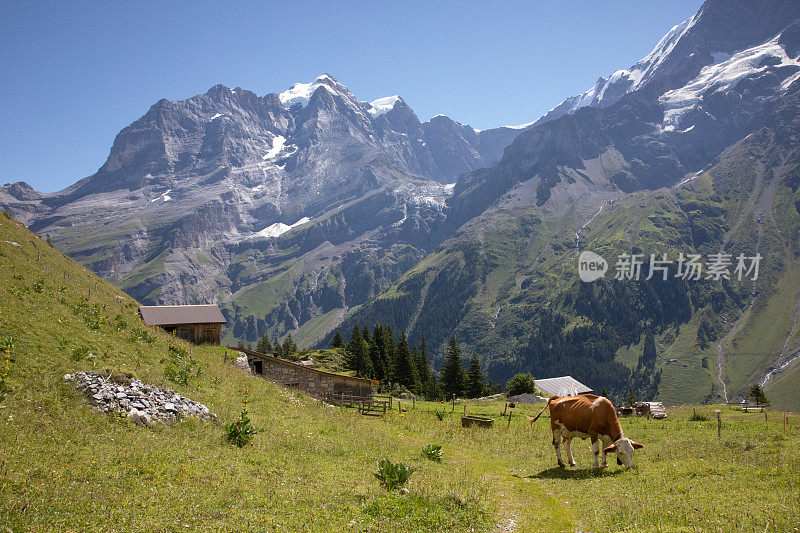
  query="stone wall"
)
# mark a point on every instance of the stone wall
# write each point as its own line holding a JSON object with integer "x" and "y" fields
{"x": 309, "y": 380}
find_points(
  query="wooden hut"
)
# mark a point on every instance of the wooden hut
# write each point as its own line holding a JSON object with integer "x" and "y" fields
{"x": 200, "y": 324}
{"x": 563, "y": 386}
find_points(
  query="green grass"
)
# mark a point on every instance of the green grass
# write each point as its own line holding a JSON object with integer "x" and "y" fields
{"x": 761, "y": 337}
{"x": 782, "y": 391}
{"x": 310, "y": 467}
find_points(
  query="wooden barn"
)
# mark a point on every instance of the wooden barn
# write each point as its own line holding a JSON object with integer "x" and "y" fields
{"x": 200, "y": 324}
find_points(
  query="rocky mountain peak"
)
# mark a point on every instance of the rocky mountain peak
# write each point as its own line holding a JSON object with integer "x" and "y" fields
{"x": 718, "y": 30}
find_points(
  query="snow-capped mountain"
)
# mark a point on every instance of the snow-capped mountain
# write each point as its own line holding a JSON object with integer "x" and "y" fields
{"x": 696, "y": 148}
{"x": 719, "y": 30}
{"x": 204, "y": 197}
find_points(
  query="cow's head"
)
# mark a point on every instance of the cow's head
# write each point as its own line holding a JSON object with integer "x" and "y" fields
{"x": 624, "y": 448}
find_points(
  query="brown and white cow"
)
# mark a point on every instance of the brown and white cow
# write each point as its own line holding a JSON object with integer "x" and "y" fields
{"x": 587, "y": 415}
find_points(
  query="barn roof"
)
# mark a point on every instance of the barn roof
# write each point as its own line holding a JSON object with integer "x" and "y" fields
{"x": 563, "y": 386}
{"x": 171, "y": 315}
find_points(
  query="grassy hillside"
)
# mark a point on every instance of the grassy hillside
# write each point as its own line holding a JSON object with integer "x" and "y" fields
{"x": 310, "y": 466}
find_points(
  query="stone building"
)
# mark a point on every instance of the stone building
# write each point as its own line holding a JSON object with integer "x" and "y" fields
{"x": 314, "y": 382}
{"x": 200, "y": 324}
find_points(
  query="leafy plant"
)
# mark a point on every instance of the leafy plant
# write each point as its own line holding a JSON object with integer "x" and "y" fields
{"x": 698, "y": 418}
{"x": 141, "y": 334}
{"x": 433, "y": 452}
{"x": 393, "y": 476}
{"x": 240, "y": 432}
{"x": 180, "y": 365}
{"x": 80, "y": 353}
{"x": 440, "y": 415}
{"x": 38, "y": 285}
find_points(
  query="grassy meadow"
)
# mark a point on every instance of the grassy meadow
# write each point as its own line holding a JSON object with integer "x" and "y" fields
{"x": 311, "y": 466}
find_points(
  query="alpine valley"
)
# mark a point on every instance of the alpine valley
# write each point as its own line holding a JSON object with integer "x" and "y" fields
{"x": 310, "y": 210}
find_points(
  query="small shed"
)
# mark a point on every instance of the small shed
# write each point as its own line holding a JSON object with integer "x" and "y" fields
{"x": 201, "y": 324}
{"x": 563, "y": 386}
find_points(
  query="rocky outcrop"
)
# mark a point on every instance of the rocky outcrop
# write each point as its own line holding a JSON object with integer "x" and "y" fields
{"x": 142, "y": 404}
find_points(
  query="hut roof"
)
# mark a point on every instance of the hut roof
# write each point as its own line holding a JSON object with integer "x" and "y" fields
{"x": 563, "y": 386}
{"x": 170, "y": 315}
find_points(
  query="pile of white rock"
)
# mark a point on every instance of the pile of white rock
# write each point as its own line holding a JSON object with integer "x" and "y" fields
{"x": 143, "y": 404}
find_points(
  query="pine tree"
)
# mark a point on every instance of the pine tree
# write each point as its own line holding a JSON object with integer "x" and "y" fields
{"x": 338, "y": 340}
{"x": 405, "y": 371}
{"x": 277, "y": 349}
{"x": 389, "y": 354}
{"x": 358, "y": 355}
{"x": 604, "y": 393}
{"x": 632, "y": 398}
{"x": 432, "y": 392}
{"x": 474, "y": 378}
{"x": 758, "y": 395}
{"x": 452, "y": 375}
{"x": 264, "y": 345}
{"x": 289, "y": 347}
{"x": 378, "y": 367}
{"x": 421, "y": 359}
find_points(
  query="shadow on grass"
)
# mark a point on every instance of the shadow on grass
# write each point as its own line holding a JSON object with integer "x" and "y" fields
{"x": 575, "y": 473}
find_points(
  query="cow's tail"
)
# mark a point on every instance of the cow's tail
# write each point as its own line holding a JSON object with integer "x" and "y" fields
{"x": 543, "y": 408}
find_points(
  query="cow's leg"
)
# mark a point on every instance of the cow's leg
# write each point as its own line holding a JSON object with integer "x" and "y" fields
{"x": 568, "y": 449}
{"x": 606, "y": 443}
{"x": 595, "y": 451}
{"x": 557, "y": 446}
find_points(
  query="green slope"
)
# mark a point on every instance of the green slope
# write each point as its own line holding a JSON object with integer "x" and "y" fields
{"x": 310, "y": 467}
{"x": 506, "y": 284}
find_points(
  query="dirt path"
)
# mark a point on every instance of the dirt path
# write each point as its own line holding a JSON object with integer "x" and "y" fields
{"x": 524, "y": 504}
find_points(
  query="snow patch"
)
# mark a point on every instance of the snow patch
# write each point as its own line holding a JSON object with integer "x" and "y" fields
{"x": 518, "y": 126}
{"x": 383, "y": 105}
{"x": 277, "y": 145}
{"x": 217, "y": 116}
{"x": 635, "y": 77}
{"x": 277, "y": 229}
{"x": 164, "y": 196}
{"x": 721, "y": 77}
{"x": 300, "y": 93}
{"x": 435, "y": 195}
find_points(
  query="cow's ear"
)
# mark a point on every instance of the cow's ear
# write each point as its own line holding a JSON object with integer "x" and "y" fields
{"x": 636, "y": 445}
{"x": 609, "y": 449}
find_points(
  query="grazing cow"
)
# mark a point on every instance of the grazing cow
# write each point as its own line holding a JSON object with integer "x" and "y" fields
{"x": 587, "y": 415}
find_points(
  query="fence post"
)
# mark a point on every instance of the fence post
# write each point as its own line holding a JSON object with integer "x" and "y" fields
{"x": 454, "y": 404}
{"x": 719, "y": 423}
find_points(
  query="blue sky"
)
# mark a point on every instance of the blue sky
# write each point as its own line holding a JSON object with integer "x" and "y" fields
{"x": 75, "y": 73}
